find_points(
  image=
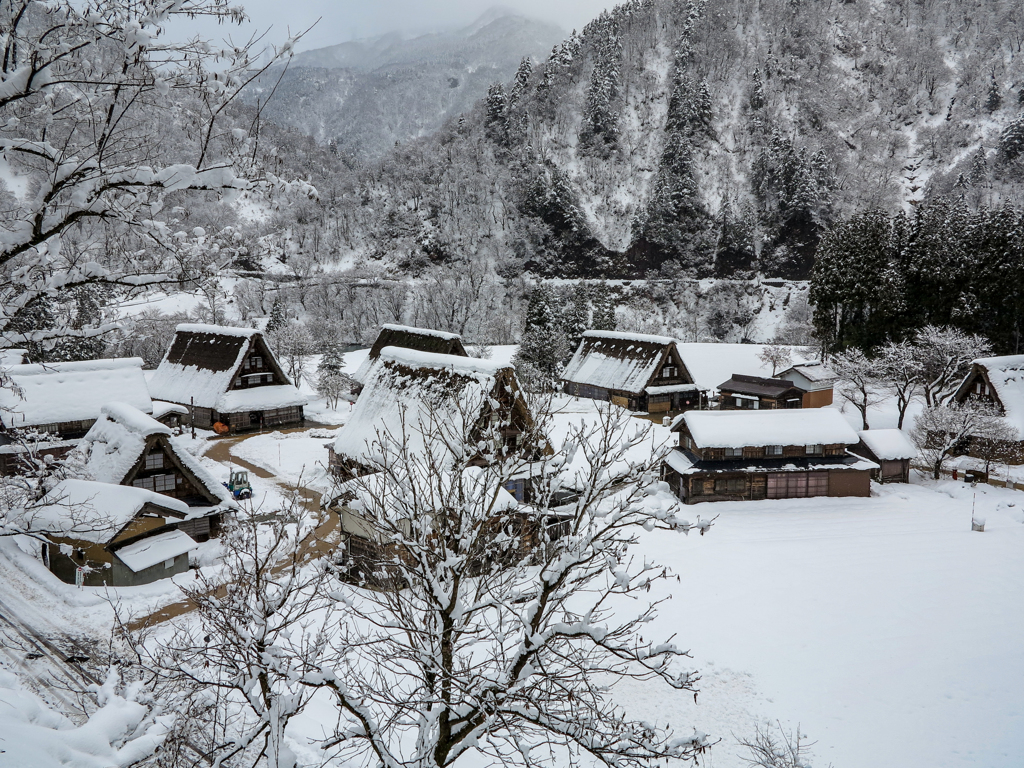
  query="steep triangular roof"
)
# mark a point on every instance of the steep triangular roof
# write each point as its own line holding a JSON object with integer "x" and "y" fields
{"x": 1005, "y": 374}
{"x": 407, "y": 337}
{"x": 202, "y": 363}
{"x": 409, "y": 392}
{"x": 620, "y": 361}
{"x": 114, "y": 450}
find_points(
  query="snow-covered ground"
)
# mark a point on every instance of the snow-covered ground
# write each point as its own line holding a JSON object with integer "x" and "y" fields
{"x": 884, "y": 627}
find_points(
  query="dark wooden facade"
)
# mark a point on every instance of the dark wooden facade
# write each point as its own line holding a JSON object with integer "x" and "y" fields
{"x": 668, "y": 372}
{"x": 755, "y": 393}
{"x": 763, "y": 471}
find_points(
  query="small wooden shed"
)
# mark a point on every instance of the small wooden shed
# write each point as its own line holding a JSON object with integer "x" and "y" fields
{"x": 891, "y": 449}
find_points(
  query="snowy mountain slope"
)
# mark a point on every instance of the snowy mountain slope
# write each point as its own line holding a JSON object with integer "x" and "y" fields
{"x": 365, "y": 95}
{"x": 699, "y": 133}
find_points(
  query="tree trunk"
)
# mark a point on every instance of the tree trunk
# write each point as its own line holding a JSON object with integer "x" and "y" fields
{"x": 938, "y": 469}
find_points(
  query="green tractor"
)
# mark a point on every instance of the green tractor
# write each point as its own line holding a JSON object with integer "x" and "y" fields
{"x": 238, "y": 485}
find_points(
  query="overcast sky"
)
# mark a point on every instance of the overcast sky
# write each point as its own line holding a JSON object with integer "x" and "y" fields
{"x": 342, "y": 20}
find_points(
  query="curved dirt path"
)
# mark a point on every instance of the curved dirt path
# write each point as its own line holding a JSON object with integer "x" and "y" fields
{"x": 319, "y": 542}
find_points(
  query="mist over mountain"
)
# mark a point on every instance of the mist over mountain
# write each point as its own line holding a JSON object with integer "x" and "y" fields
{"x": 713, "y": 138}
{"x": 363, "y": 96}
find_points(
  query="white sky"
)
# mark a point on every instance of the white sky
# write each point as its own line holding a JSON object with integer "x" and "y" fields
{"x": 342, "y": 20}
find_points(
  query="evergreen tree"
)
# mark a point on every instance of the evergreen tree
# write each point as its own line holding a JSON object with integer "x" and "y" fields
{"x": 757, "y": 100}
{"x": 604, "y": 308}
{"x": 496, "y": 122}
{"x": 1011, "y": 142}
{"x": 994, "y": 99}
{"x": 521, "y": 82}
{"x": 331, "y": 382}
{"x": 542, "y": 348}
{"x": 600, "y": 131}
{"x": 277, "y": 316}
{"x": 577, "y": 316}
{"x": 38, "y": 315}
{"x": 87, "y": 313}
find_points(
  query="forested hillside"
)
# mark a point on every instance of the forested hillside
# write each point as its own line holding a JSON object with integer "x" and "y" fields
{"x": 705, "y": 138}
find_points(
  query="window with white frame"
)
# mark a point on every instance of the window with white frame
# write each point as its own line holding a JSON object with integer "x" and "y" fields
{"x": 733, "y": 453}
{"x": 773, "y": 450}
{"x": 813, "y": 450}
{"x": 155, "y": 460}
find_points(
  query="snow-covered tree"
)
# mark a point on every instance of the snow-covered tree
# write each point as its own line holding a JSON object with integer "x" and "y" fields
{"x": 231, "y": 676}
{"x": 603, "y": 301}
{"x": 292, "y": 343}
{"x": 942, "y": 431}
{"x": 543, "y": 347}
{"x": 944, "y": 355}
{"x": 331, "y": 380}
{"x": 899, "y": 371}
{"x": 576, "y": 317}
{"x": 859, "y": 382}
{"x": 778, "y": 356}
{"x": 494, "y": 637}
{"x": 106, "y": 119}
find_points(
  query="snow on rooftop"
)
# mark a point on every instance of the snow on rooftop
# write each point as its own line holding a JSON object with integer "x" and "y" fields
{"x": 260, "y": 398}
{"x": 62, "y": 392}
{"x": 710, "y": 364}
{"x": 408, "y": 394}
{"x": 219, "y": 330}
{"x": 643, "y": 338}
{"x": 1006, "y": 375}
{"x": 738, "y": 429}
{"x": 421, "y": 331}
{"x": 147, "y": 552}
{"x": 812, "y": 371}
{"x": 92, "y": 511}
{"x": 617, "y": 361}
{"x": 162, "y": 408}
{"x": 888, "y": 444}
{"x": 116, "y": 442}
{"x": 414, "y": 358}
{"x": 203, "y": 374}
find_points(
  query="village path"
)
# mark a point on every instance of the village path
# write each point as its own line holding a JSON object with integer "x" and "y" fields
{"x": 319, "y": 542}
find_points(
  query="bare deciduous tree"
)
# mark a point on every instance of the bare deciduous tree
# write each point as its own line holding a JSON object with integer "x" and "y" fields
{"x": 944, "y": 355}
{"x": 777, "y": 356}
{"x": 859, "y": 381}
{"x": 942, "y": 431}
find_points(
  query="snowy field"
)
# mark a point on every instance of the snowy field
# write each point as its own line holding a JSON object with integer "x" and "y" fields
{"x": 884, "y": 627}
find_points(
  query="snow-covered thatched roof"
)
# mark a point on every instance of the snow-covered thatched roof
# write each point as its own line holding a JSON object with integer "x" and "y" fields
{"x": 422, "y": 339}
{"x": 96, "y": 512}
{"x": 1006, "y": 376}
{"x": 201, "y": 366}
{"x": 625, "y": 362}
{"x": 51, "y": 393}
{"x": 740, "y": 429}
{"x": 888, "y": 444}
{"x": 412, "y": 396}
{"x": 116, "y": 442}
